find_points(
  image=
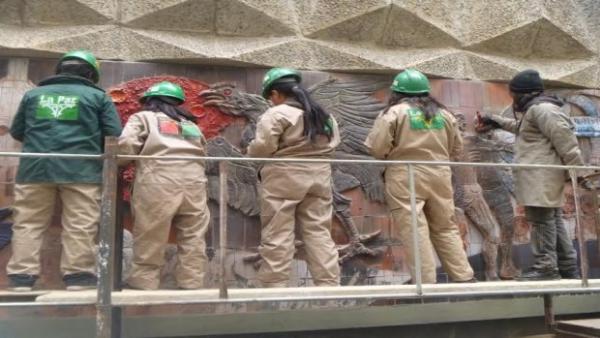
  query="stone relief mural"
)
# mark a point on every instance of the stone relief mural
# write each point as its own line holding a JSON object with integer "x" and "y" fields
{"x": 483, "y": 196}
{"x": 494, "y": 230}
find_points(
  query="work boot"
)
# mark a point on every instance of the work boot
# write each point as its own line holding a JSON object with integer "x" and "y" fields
{"x": 537, "y": 275}
{"x": 572, "y": 274}
{"x": 472, "y": 280}
{"x": 21, "y": 282}
{"x": 80, "y": 281}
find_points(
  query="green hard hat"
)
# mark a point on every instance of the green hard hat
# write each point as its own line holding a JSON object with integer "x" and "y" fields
{"x": 86, "y": 56}
{"x": 275, "y": 74}
{"x": 411, "y": 81}
{"x": 165, "y": 88}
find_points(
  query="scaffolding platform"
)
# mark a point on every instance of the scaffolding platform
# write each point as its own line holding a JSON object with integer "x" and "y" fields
{"x": 299, "y": 294}
{"x": 299, "y": 309}
{"x": 579, "y": 328}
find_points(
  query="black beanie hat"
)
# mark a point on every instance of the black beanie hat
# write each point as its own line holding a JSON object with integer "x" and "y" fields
{"x": 526, "y": 81}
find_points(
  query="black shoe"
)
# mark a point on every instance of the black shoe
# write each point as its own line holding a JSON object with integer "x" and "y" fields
{"x": 573, "y": 274}
{"x": 536, "y": 275}
{"x": 472, "y": 280}
{"x": 80, "y": 281}
{"x": 21, "y": 282}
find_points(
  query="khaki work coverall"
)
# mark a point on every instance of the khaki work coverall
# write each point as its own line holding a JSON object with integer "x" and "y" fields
{"x": 545, "y": 136}
{"x": 402, "y": 134}
{"x": 167, "y": 192}
{"x": 296, "y": 197}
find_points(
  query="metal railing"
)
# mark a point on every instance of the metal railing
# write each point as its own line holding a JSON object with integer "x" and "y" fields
{"x": 109, "y": 316}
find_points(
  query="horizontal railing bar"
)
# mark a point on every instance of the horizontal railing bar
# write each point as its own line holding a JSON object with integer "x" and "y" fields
{"x": 381, "y": 296}
{"x": 52, "y": 155}
{"x": 389, "y": 296}
{"x": 309, "y": 160}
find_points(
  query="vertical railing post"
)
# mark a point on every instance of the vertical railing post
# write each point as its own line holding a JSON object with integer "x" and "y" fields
{"x": 414, "y": 229}
{"x": 583, "y": 259}
{"x": 549, "y": 311}
{"x": 104, "y": 310}
{"x": 117, "y": 312}
{"x": 223, "y": 190}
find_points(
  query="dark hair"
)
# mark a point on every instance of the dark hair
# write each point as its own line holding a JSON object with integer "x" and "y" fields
{"x": 424, "y": 102}
{"x": 169, "y": 106}
{"x": 77, "y": 68}
{"x": 316, "y": 120}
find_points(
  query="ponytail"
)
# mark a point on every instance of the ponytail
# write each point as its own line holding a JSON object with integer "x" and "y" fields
{"x": 168, "y": 106}
{"x": 425, "y": 103}
{"x": 316, "y": 120}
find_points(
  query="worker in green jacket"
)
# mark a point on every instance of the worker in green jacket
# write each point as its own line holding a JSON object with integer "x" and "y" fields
{"x": 66, "y": 113}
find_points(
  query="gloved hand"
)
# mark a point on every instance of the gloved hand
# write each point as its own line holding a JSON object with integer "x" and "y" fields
{"x": 485, "y": 123}
{"x": 248, "y": 134}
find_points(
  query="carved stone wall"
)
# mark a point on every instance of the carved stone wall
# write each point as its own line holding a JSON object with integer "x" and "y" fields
{"x": 466, "y": 39}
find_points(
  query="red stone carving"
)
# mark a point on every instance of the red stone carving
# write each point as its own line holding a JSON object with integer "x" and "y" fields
{"x": 126, "y": 98}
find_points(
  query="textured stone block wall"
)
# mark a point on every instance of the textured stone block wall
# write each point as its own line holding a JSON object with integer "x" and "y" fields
{"x": 474, "y": 39}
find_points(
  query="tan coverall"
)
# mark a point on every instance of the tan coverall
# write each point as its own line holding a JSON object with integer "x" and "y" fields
{"x": 167, "y": 192}
{"x": 33, "y": 209}
{"x": 401, "y": 133}
{"x": 295, "y": 196}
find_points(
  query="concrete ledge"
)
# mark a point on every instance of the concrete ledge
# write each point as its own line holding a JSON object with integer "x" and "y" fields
{"x": 138, "y": 297}
{"x": 35, "y": 293}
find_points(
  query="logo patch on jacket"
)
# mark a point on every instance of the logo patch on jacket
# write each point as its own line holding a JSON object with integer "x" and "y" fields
{"x": 57, "y": 107}
{"x": 181, "y": 129}
{"x": 190, "y": 130}
{"x": 418, "y": 122}
{"x": 168, "y": 127}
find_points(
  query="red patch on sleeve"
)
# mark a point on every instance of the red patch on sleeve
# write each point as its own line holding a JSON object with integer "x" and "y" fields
{"x": 168, "y": 127}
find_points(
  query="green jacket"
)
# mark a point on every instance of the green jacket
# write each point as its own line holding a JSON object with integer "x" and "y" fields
{"x": 64, "y": 114}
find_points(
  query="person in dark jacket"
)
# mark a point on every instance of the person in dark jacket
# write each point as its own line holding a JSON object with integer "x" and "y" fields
{"x": 66, "y": 113}
{"x": 544, "y": 135}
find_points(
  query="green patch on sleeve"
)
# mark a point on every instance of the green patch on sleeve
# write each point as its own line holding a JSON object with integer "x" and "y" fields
{"x": 418, "y": 122}
{"x": 190, "y": 130}
{"x": 329, "y": 126}
{"x": 57, "y": 107}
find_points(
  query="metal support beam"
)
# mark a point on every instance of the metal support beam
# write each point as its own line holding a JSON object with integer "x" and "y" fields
{"x": 117, "y": 315}
{"x": 583, "y": 258}
{"x": 549, "y": 311}
{"x": 223, "y": 196}
{"x": 106, "y": 245}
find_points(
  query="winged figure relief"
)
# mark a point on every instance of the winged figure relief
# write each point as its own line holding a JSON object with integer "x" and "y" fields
{"x": 355, "y": 107}
{"x": 484, "y": 195}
